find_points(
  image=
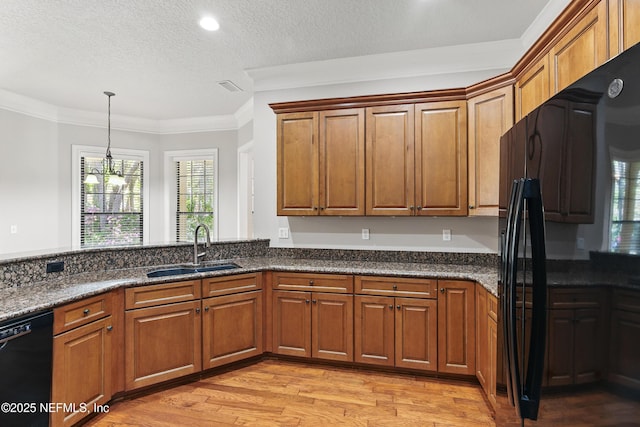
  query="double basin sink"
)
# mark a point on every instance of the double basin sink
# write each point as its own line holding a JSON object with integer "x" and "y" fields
{"x": 177, "y": 271}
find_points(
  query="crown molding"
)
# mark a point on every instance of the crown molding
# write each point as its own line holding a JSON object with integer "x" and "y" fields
{"x": 35, "y": 108}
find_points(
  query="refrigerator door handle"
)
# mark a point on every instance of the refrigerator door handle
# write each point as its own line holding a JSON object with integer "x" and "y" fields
{"x": 530, "y": 399}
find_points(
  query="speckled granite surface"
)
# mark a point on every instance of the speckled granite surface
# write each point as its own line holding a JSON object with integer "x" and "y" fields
{"x": 26, "y": 288}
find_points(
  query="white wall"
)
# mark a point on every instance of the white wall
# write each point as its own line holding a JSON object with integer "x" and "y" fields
{"x": 37, "y": 199}
{"x": 468, "y": 234}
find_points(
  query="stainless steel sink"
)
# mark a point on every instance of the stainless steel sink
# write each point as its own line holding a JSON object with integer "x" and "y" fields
{"x": 176, "y": 271}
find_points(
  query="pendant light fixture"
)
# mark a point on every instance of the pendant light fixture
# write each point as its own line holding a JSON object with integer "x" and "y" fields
{"x": 114, "y": 177}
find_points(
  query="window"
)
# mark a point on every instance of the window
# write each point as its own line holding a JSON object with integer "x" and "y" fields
{"x": 191, "y": 193}
{"x": 195, "y": 197}
{"x": 625, "y": 207}
{"x": 105, "y": 214}
{"x": 111, "y": 214}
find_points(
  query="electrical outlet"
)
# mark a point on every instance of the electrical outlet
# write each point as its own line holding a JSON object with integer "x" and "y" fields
{"x": 446, "y": 235}
{"x": 580, "y": 243}
{"x": 365, "y": 234}
{"x": 14, "y": 229}
{"x": 283, "y": 233}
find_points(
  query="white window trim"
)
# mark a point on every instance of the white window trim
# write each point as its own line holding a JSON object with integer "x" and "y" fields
{"x": 170, "y": 205}
{"x": 79, "y": 151}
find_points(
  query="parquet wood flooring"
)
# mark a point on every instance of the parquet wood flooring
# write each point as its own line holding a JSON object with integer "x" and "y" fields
{"x": 280, "y": 393}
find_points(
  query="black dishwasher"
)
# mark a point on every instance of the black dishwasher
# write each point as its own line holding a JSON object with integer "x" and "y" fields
{"x": 25, "y": 362}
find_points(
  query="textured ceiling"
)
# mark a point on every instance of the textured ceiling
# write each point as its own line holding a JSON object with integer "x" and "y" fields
{"x": 162, "y": 65}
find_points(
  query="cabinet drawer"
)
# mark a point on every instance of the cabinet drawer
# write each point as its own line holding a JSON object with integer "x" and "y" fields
{"x": 226, "y": 285}
{"x": 492, "y": 307}
{"x": 575, "y": 298}
{"x": 81, "y": 313}
{"x": 336, "y": 283}
{"x": 626, "y": 300}
{"x": 147, "y": 296}
{"x": 398, "y": 286}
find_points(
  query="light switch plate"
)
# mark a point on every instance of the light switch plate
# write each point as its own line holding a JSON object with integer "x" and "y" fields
{"x": 365, "y": 234}
{"x": 446, "y": 235}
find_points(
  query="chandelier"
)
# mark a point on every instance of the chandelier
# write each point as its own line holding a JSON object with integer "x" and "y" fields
{"x": 114, "y": 177}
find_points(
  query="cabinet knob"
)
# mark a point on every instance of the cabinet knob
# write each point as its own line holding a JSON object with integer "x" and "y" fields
{"x": 442, "y": 290}
{"x": 315, "y": 208}
{"x": 315, "y": 301}
{"x": 321, "y": 208}
{"x": 86, "y": 311}
{"x": 395, "y": 287}
{"x": 398, "y": 306}
{"x": 198, "y": 310}
{"x": 206, "y": 308}
{"x": 419, "y": 208}
{"x": 391, "y": 306}
{"x": 311, "y": 282}
{"x": 109, "y": 328}
{"x": 412, "y": 208}
{"x": 471, "y": 207}
{"x": 307, "y": 301}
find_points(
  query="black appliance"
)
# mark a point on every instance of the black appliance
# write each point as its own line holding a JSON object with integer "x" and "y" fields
{"x": 570, "y": 201}
{"x": 26, "y": 346}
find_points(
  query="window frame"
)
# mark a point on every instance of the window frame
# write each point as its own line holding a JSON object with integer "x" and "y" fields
{"x": 171, "y": 191}
{"x": 79, "y": 151}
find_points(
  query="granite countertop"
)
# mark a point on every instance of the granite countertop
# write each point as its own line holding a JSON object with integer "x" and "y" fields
{"x": 34, "y": 297}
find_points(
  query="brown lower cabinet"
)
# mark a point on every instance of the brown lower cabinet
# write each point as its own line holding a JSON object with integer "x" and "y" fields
{"x": 625, "y": 335}
{"x": 399, "y": 332}
{"x": 82, "y": 357}
{"x": 456, "y": 327}
{"x": 313, "y": 324}
{"x": 231, "y": 328}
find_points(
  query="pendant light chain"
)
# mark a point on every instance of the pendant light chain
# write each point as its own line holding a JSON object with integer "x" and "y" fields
{"x": 108, "y": 155}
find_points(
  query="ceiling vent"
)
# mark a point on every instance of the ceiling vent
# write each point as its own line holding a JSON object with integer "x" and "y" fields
{"x": 230, "y": 86}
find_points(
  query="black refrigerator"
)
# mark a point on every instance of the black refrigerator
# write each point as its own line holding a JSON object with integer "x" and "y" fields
{"x": 570, "y": 223}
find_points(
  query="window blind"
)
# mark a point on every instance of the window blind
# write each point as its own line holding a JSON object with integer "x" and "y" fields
{"x": 111, "y": 215}
{"x": 625, "y": 207}
{"x": 195, "y": 197}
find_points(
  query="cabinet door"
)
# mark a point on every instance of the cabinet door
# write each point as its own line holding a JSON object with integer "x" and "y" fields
{"x": 416, "y": 333}
{"x": 231, "y": 328}
{"x": 297, "y": 163}
{"x": 162, "y": 343}
{"x": 292, "y": 323}
{"x": 341, "y": 159}
{"x": 581, "y": 50}
{"x": 332, "y": 326}
{"x": 588, "y": 349}
{"x": 490, "y": 116}
{"x": 532, "y": 87}
{"x": 374, "y": 330}
{"x": 81, "y": 369}
{"x": 624, "y": 30}
{"x": 390, "y": 160}
{"x": 441, "y": 158}
{"x": 561, "y": 348}
{"x": 624, "y": 368}
{"x": 456, "y": 327}
{"x": 492, "y": 373}
{"x": 482, "y": 338}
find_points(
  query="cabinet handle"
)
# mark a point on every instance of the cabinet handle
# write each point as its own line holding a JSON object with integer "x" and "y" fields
{"x": 206, "y": 308}
{"x": 412, "y": 208}
{"x": 307, "y": 301}
{"x": 442, "y": 290}
{"x": 198, "y": 310}
{"x": 419, "y": 208}
{"x": 391, "y": 306}
{"x": 86, "y": 311}
{"x": 315, "y": 301}
{"x": 395, "y": 287}
{"x": 311, "y": 282}
{"x": 398, "y": 306}
{"x": 109, "y": 328}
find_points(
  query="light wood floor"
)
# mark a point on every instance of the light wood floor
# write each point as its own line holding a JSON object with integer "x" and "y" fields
{"x": 281, "y": 393}
{"x": 278, "y": 393}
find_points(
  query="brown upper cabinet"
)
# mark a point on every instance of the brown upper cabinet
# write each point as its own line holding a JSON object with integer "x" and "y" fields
{"x": 624, "y": 30}
{"x": 532, "y": 87}
{"x": 490, "y": 116}
{"x": 321, "y": 163}
{"x": 417, "y": 159}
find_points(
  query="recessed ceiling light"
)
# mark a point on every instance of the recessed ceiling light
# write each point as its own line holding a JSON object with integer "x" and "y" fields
{"x": 209, "y": 23}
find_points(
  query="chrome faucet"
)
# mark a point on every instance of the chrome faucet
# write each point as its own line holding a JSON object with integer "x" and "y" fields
{"x": 198, "y": 256}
